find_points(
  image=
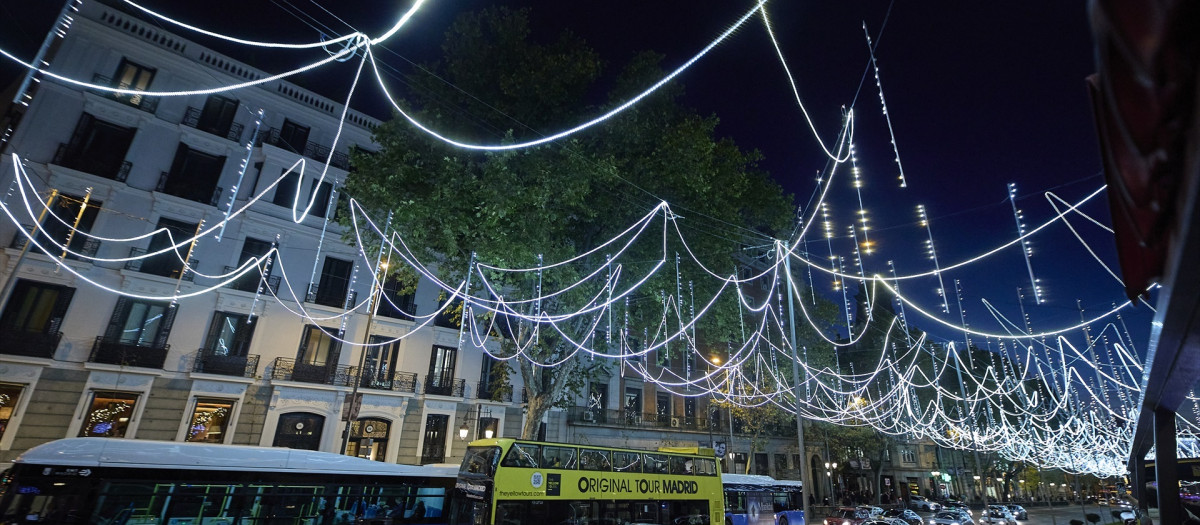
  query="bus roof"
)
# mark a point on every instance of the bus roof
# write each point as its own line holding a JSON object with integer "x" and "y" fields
{"x": 759, "y": 482}
{"x": 140, "y": 453}
{"x": 508, "y": 442}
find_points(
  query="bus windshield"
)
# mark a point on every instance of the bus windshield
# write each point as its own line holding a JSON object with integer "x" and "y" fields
{"x": 480, "y": 461}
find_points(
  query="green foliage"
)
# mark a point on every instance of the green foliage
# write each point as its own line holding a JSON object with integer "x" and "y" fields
{"x": 496, "y": 83}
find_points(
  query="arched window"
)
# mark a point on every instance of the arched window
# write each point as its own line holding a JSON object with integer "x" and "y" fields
{"x": 300, "y": 430}
{"x": 369, "y": 438}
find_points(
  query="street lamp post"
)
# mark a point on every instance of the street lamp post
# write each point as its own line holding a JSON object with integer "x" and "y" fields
{"x": 829, "y": 468}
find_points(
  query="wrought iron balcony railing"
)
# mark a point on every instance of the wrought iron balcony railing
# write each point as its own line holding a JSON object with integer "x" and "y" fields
{"x": 29, "y": 344}
{"x": 84, "y": 246}
{"x": 494, "y": 391}
{"x": 443, "y": 387}
{"x": 192, "y": 117}
{"x": 63, "y": 156}
{"x": 327, "y": 296}
{"x": 164, "y": 264}
{"x": 381, "y": 380}
{"x": 310, "y": 149}
{"x": 285, "y": 369}
{"x": 163, "y": 186}
{"x": 128, "y": 354}
{"x": 210, "y": 362}
{"x": 142, "y": 102}
{"x": 250, "y": 281}
{"x": 635, "y": 419}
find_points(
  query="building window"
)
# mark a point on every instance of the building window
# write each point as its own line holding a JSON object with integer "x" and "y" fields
{"x": 368, "y": 439}
{"x": 907, "y": 455}
{"x": 194, "y": 176}
{"x": 662, "y": 407}
{"x": 293, "y": 137}
{"x": 780, "y": 464}
{"x": 320, "y": 198}
{"x": 597, "y": 396}
{"x": 334, "y": 283}
{"x": 441, "y": 371}
{"x": 317, "y": 348}
{"x": 97, "y": 147}
{"x": 36, "y": 307}
{"x": 108, "y": 414}
{"x": 299, "y": 430}
{"x": 253, "y": 249}
{"x": 633, "y": 404}
{"x": 760, "y": 463}
{"x": 210, "y": 418}
{"x": 434, "y": 449}
{"x": 285, "y": 190}
{"x": 168, "y": 263}
{"x": 138, "y": 322}
{"x": 229, "y": 334}
{"x": 379, "y": 365}
{"x": 10, "y": 395}
{"x": 131, "y": 75}
{"x": 217, "y": 116}
{"x": 54, "y": 232}
{"x": 32, "y": 318}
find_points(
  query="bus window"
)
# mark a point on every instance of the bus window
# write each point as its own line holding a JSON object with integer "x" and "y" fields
{"x": 679, "y": 465}
{"x": 558, "y": 457}
{"x": 655, "y": 463}
{"x": 522, "y": 455}
{"x": 627, "y": 461}
{"x": 480, "y": 460}
{"x": 510, "y": 513}
{"x": 705, "y": 467}
{"x": 592, "y": 459}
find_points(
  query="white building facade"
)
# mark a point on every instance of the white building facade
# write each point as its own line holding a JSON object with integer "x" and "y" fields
{"x": 234, "y": 365}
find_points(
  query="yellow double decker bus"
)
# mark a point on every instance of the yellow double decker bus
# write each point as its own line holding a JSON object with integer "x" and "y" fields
{"x": 513, "y": 482}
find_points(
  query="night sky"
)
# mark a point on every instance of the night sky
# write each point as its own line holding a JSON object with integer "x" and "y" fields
{"x": 980, "y": 95}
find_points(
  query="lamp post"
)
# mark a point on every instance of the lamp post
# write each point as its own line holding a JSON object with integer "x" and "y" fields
{"x": 372, "y": 305}
{"x": 829, "y": 468}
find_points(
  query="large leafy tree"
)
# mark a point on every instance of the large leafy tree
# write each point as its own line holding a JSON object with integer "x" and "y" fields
{"x": 494, "y": 83}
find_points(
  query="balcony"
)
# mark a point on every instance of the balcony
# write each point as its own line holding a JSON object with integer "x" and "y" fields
{"x": 451, "y": 388}
{"x": 88, "y": 164}
{"x": 191, "y": 119}
{"x": 311, "y": 149}
{"x": 29, "y": 344}
{"x": 209, "y": 362}
{"x": 82, "y": 245}
{"x": 184, "y": 191}
{"x": 630, "y": 419}
{"x": 165, "y": 265}
{"x": 494, "y": 391}
{"x": 396, "y": 382}
{"x": 142, "y": 102}
{"x": 286, "y": 369}
{"x": 251, "y": 280}
{"x": 127, "y": 354}
{"x": 327, "y": 296}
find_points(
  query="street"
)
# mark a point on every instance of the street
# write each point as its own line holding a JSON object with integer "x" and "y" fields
{"x": 1058, "y": 515}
